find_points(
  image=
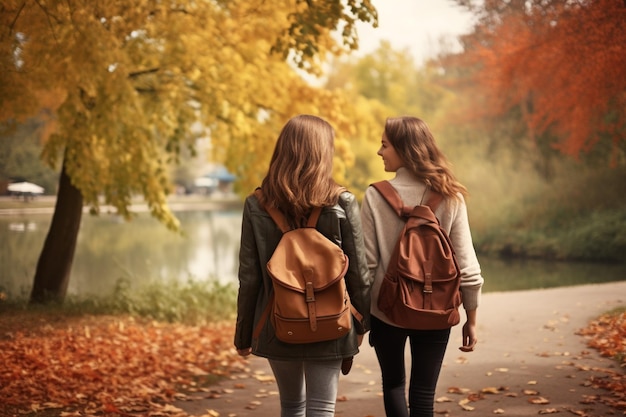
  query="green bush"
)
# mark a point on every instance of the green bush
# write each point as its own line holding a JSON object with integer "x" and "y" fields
{"x": 597, "y": 236}
{"x": 192, "y": 302}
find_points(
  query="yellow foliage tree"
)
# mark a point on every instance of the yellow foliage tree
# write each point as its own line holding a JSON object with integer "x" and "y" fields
{"x": 131, "y": 79}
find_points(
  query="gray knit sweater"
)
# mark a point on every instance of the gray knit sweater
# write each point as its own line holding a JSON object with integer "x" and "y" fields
{"x": 381, "y": 228}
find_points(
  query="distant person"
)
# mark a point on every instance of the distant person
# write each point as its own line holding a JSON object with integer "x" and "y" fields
{"x": 408, "y": 148}
{"x": 300, "y": 178}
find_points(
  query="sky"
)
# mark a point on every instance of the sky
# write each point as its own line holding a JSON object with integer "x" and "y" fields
{"x": 416, "y": 25}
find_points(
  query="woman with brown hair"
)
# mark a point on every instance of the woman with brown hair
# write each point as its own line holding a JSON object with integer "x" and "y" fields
{"x": 299, "y": 179}
{"x": 408, "y": 148}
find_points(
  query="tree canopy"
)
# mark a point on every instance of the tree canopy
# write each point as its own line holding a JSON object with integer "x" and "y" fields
{"x": 562, "y": 65}
{"x": 135, "y": 82}
{"x": 132, "y": 83}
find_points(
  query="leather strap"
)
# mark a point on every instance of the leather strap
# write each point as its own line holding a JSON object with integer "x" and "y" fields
{"x": 309, "y": 294}
{"x": 275, "y": 214}
{"x": 279, "y": 217}
{"x": 314, "y": 217}
{"x": 392, "y": 197}
{"x": 263, "y": 318}
{"x": 428, "y": 284}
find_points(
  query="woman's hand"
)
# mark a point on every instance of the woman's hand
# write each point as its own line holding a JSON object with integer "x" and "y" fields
{"x": 244, "y": 352}
{"x": 469, "y": 332}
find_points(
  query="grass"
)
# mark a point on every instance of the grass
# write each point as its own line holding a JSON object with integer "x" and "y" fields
{"x": 190, "y": 303}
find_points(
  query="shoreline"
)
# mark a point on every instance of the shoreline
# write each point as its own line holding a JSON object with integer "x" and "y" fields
{"x": 46, "y": 205}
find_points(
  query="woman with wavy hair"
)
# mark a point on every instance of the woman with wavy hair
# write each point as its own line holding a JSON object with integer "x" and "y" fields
{"x": 408, "y": 148}
{"x": 299, "y": 179}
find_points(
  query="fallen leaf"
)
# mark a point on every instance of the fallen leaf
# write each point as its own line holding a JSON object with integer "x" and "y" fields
{"x": 475, "y": 397}
{"x": 576, "y": 412}
{"x": 464, "y": 405}
{"x": 548, "y": 411}
{"x": 539, "y": 400}
{"x": 265, "y": 378}
{"x": 52, "y": 405}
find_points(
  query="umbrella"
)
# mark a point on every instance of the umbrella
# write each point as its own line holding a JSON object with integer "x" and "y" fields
{"x": 25, "y": 188}
{"x": 222, "y": 174}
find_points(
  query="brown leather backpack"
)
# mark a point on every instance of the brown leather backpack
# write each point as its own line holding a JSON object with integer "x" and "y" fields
{"x": 421, "y": 287}
{"x": 310, "y": 301}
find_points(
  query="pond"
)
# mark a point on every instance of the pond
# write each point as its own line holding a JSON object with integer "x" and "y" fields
{"x": 143, "y": 251}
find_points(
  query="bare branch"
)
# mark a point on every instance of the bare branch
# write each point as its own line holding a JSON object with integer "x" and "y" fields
{"x": 17, "y": 15}
{"x": 143, "y": 72}
{"x": 48, "y": 16}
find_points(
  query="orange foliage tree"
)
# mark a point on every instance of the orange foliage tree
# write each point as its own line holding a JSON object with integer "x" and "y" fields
{"x": 560, "y": 65}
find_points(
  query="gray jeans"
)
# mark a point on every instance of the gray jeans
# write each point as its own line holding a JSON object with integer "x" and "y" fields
{"x": 307, "y": 388}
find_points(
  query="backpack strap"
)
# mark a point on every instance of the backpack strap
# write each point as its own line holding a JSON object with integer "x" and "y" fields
{"x": 392, "y": 197}
{"x": 275, "y": 214}
{"x": 279, "y": 217}
{"x": 315, "y": 215}
{"x": 434, "y": 200}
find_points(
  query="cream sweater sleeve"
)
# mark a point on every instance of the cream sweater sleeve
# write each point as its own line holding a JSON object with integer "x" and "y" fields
{"x": 457, "y": 227}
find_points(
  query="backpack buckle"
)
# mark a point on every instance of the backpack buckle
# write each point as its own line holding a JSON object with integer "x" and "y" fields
{"x": 309, "y": 294}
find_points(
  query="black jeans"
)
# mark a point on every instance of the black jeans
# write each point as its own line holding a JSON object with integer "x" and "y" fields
{"x": 427, "y": 350}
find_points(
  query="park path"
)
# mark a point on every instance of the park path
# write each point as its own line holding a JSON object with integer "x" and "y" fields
{"x": 529, "y": 361}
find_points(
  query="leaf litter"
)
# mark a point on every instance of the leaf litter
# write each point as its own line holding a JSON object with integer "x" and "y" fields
{"x": 110, "y": 365}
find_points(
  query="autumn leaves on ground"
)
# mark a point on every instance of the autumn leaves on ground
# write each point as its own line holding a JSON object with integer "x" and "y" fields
{"x": 59, "y": 365}
{"x": 106, "y": 365}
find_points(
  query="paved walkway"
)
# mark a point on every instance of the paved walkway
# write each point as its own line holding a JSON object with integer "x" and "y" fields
{"x": 529, "y": 361}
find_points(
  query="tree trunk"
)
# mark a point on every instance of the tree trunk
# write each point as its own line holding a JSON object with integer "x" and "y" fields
{"x": 55, "y": 261}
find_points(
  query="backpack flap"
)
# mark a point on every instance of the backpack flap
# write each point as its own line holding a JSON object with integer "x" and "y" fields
{"x": 305, "y": 256}
{"x": 424, "y": 243}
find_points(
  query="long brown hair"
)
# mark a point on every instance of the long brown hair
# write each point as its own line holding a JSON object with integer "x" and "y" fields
{"x": 415, "y": 145}
{"x": 300, "y": 173}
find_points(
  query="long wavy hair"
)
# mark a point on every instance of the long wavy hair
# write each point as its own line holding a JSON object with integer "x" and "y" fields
{"x": 415, "y": 145}
{"x": 300, "y": 172}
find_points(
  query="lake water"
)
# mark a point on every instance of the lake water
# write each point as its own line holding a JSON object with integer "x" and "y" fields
{"x": 144, "y": 251}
